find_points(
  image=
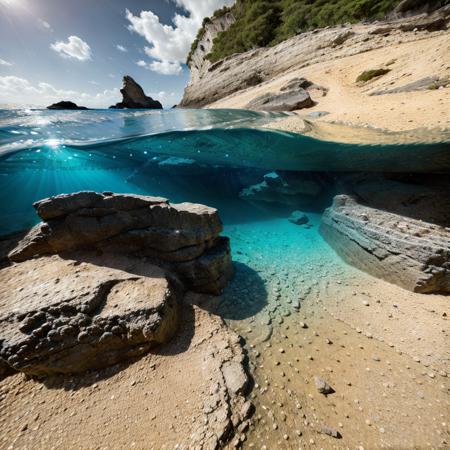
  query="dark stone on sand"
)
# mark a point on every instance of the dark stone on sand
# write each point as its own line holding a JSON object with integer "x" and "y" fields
{"x": 322, "y": 386}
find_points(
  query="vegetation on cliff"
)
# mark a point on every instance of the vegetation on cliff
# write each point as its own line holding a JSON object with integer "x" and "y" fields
{"x": 264, "y": 23}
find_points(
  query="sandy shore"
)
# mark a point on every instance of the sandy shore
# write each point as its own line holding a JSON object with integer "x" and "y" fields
{"x": 348, "y": 102}
{"x": 383, "y": 349}
{"x": 174, "y": 396}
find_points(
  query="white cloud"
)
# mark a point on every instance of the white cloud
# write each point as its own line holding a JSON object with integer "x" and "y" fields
{"x": 166, "y": 98}
{"x": 169, "y": 45}
{"x": 17, "y": 90}
{"x": 162, "y": 67}
{"x": 121, "y": 48}
{"x": 75, "y": 48}
{"x": 5, "y": 63}
{"x": 44, "y": 24}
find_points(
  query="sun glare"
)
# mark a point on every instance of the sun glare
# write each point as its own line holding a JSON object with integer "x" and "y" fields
{"x": 10, "y": 2}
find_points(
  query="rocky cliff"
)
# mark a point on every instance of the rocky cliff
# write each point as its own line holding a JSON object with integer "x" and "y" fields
{"x": 236, "y": 73}
{"x": 198, "y": 63}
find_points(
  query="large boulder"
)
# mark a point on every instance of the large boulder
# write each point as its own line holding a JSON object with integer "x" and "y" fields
{"x": 181, "y": 237}
{"x": 68, "y": 315}
{"x": 404, "y": 251}
{"x": 290, "y": 100}
{"x": 133, "y": 97}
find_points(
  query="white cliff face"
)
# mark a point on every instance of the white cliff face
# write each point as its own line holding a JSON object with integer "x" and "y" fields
{"x": 211, "y": 82}
{"x": 199, "y": 64}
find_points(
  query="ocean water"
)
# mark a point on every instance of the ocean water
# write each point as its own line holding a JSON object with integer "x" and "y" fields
{"x": 210, "y": 157}
{"x": 43, "y": 153}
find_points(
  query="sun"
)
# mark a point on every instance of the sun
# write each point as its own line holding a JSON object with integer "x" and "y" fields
{"x": 10, "y": 2}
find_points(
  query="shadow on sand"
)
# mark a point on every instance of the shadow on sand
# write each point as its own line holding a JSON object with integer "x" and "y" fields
{"x": 244, "y": 296}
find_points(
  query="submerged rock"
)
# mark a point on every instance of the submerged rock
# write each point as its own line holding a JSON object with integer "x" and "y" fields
{"x": 299, "y": 218}
{"x": 410, "y": 253}
{"x": 65, "y": 316}
{"x": 182, "y": 237}
{"x": 298, "y": 189}
{"x": 133, "y": 97}
{"x": 66, "y": 105}
{"x": 183, "y": 166}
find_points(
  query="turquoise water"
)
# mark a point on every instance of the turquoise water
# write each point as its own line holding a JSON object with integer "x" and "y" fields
{"x": 286, "y": 275}
{"x": 43, "y": 153}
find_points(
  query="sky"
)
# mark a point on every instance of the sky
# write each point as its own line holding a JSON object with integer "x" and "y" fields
{"x": 79, "y": 50}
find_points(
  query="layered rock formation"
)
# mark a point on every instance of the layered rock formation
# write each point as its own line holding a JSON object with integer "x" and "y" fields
{"x": 212, "y": 82}
{"x": 66, "y": 105}
{"x": 410, "y": 253}
{"x": 100, "y": 280}
{"x": 67, "y": 315}
{"x": 183, "y": 237}
{"x": 133, "y": 97}
{"x": 420, "y": 197}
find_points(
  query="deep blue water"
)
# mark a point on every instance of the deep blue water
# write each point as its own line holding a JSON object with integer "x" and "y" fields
{"x": 43, "y": 153}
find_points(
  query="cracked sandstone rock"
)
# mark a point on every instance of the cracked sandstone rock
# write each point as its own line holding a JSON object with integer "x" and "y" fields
{"x": 66, "y": 315}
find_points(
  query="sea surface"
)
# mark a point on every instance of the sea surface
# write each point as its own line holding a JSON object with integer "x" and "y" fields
{"x": 43, "y": 153}
{"x": 210, "y": 156}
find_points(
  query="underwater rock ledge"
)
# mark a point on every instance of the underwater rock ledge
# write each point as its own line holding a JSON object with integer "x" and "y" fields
{"x": 410, "y": 253}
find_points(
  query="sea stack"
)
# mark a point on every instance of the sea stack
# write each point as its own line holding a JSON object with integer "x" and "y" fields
{"x": 133, "y": 97}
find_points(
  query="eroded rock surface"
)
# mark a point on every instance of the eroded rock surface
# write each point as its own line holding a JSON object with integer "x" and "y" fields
{"x": 66, "y": 315}
{"x": 181, "y": 237}
{"x": 410, "y": 253}
{"x": 133, "y": 97}
{"x": 174, "y": 395}
{"x": 286, "y": 188}
{"x": 290, "y": 100}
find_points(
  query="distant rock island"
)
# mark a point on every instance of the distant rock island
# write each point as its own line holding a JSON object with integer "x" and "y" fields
{"x": 134, "y": 97}
{"x": 66, "y": 105}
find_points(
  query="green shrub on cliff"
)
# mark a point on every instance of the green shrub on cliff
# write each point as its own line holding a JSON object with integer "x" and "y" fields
{"x": 263, "y": 23}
